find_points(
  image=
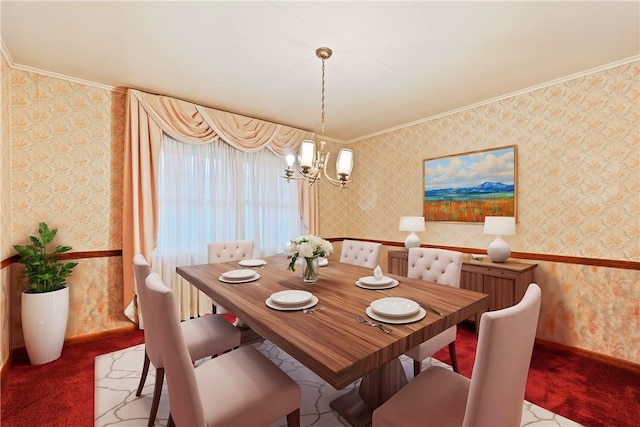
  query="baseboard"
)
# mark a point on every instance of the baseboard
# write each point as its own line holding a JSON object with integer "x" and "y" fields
{"x": 75, "y": 340}
{"x": 603, "y": 358}
{"x": 102, "y": 334}
{"x": 7, "y": 364}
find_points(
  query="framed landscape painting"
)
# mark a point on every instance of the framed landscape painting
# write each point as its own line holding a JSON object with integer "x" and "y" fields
{"x": 469, "y": 186}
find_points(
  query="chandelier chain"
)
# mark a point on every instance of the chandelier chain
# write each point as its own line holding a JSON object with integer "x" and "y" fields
{"x": 323, "y": 59}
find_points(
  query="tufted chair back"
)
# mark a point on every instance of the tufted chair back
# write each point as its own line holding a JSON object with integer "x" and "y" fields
{"x": 235, "y": 250}
{"x": 444, "y": 267}
{"x": 435, "y": 265}
{"x": 365, "y": 254}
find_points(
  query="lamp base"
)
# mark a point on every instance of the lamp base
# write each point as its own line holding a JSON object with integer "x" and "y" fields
{"x": 412, "y": 241}
{"x": 499, "y": 250}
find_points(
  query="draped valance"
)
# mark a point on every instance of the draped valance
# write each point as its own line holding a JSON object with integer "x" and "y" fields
{"x": 193, "y": 123}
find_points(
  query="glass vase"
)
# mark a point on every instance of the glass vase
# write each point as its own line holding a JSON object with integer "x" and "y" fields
{"x": 310, "y": 270}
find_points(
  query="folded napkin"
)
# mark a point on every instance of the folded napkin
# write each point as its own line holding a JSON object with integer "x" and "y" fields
{"x": 377, "y": 273}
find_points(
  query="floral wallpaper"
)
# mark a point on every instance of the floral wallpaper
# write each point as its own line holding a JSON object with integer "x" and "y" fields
{"x": 67, "y": 144}
{"x": 5, "y": 211}
{"x": 578, "y": 181}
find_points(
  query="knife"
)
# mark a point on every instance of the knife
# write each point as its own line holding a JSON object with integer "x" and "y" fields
{"x": 432, "y": 309}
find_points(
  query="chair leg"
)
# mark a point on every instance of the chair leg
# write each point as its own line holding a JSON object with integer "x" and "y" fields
{"x": 170, "y": 423}
{"x": 145, "y": 371}
{"x": 293, "y": 418}
{"x": 417, "y": 367}
{"x": 452, "y": 356}
{"x": 157, "y": 392}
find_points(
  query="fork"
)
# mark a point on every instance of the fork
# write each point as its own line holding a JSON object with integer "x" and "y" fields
{"x": 311, "y": 310}
{"x": 370, "y": 323}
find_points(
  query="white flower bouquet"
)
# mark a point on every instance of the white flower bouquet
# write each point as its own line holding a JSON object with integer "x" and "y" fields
{"x": 309, "y": 248}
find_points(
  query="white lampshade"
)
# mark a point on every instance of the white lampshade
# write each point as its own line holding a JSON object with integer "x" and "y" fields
{"x": 307, "y": 153}
{"x": 412, "y": 224}
{"x": 500, "y": 225}
{"x": 499, "y": 250}
{"x": 344, "y": 162}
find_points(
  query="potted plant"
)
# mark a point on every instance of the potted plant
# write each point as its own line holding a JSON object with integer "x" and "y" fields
{"x": 45, "y": 303}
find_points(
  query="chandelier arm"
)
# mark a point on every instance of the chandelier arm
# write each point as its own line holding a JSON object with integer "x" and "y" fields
{"x": 311, "y": 174}
{"x": 289, "y": 174}
{"x": 337, "y": 182}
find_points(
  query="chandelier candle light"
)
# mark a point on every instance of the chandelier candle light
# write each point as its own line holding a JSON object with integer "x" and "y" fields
{"x": 499, "y": 250}
{"x": 313, "y": 163}
{"x": 412, "y": 224}
{"x": 308, "y": 249}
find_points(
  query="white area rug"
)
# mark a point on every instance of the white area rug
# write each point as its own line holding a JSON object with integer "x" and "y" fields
{"x": 117, "y": 375}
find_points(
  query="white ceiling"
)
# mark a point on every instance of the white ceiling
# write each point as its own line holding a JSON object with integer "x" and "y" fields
{"x": 394, "y": 62}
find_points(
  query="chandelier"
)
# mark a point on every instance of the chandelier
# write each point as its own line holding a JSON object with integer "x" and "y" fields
{"x": 312, "y": 163}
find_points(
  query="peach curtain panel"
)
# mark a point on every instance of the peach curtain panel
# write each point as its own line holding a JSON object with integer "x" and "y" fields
{"x": 148, "y": 117}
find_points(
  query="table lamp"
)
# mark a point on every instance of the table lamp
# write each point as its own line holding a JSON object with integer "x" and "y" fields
{"x": 412, "y": 224}
{"x": 499, "y": 250}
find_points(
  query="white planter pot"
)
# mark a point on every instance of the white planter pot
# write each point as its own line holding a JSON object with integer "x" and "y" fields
{"x": 44, "y": 323}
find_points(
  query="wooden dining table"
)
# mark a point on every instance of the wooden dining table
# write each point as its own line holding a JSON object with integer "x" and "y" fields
{"x": 330, "y": 341}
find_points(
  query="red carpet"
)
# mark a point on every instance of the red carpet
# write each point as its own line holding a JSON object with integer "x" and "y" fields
{"x": 61, "y": 393}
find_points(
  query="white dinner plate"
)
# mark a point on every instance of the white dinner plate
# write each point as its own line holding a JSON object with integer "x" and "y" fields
{"x": 394, "y": 307}
{"x": 271, "y": 304}
{"x": 372, "y": 281}
{"x": 291, "y": 297}
{"x": 397, "y": 321}
{"x": 252, "y": 262}
{"x": 393, "y": 284}
{"x": 256, "y": 276}
{"x": 238, "y": 274}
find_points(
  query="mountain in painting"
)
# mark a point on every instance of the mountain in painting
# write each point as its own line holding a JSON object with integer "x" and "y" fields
{"x": 485, "y": 187}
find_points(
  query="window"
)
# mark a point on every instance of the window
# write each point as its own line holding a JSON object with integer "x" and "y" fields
{"x": 209, "y": 192}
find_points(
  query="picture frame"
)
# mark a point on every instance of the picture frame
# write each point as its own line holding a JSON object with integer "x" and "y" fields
{"x": 466, "y": 187}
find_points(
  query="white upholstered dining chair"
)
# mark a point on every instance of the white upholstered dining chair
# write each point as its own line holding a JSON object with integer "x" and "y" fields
{"x": 204, "y": 336}
{"x": 493, "y": 396}
{"x": 232, "y": 250}
{"x": 444, "y": 267}
{"x": 356, "y": 252}
{"x": 239, "y": 388}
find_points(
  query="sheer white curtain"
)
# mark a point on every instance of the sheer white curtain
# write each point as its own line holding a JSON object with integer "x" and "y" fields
{"x": 213, "y": 191}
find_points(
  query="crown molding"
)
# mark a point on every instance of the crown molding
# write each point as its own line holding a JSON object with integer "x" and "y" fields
{"x": 9, "y": 59}
{"x": 5, "y": 53}
{"x": 65, "y": 77}
{"x": 499, "y": 98}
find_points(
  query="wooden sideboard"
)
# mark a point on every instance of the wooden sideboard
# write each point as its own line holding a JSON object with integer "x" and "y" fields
{"x": 398, "y": 262}
{"x": 505, "y": 283}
